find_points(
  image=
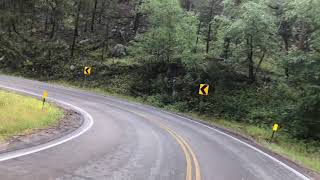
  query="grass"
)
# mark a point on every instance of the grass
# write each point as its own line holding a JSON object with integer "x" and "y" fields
{"x": 21, "y": 114}
{"x": 306, "y": 154}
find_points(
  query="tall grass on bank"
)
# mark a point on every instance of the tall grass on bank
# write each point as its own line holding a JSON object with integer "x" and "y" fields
{"x": 20, "y": 114}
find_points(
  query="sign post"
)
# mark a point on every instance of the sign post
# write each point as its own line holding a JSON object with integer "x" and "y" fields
{"x": 274, "y": 130}
{"x": 86, "y": 72}
{"x": 44, "y": 97}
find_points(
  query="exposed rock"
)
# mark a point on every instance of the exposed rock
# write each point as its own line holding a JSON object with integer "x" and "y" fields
{"x": 84, "y": 41}
{"x": 72, "y": 67}
{"x": 119, "y": 50}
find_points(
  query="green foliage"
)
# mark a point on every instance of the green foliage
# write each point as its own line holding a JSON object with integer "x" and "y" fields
{"x": 172, "y": 34}
{"x": 278, "y": 42}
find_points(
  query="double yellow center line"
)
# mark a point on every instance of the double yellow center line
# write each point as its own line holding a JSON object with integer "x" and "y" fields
{"x": 190, "y": 156}
{"x": 188, "y": 152}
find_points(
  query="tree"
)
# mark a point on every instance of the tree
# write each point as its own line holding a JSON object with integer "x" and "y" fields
{"x": 251, "y": 26}
{"x": 171, "y": 35}
{"x": 94, "y": 11}
{"x": 76, "y": 26}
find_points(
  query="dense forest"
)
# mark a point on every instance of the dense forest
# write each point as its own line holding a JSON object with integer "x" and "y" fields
{"x": 261, "y": 57}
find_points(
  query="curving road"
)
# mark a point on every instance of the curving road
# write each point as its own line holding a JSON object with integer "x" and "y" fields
{"x": 132, "y": 141}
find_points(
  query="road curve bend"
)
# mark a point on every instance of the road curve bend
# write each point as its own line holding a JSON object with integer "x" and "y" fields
{"x": 130, "y": 141}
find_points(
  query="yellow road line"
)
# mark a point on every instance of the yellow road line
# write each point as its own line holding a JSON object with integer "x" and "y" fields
{"x": 183, "y": 144}
{"x": 195, "y": 160}
{"x": 180, "y": 141}
{"x": 185, "y": 151}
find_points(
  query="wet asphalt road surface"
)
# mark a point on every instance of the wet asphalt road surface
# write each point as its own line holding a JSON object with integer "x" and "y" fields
{"x": 133, "y": 141}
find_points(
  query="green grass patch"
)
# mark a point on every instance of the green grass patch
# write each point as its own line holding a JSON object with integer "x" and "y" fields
{"x": 21, "y": 114}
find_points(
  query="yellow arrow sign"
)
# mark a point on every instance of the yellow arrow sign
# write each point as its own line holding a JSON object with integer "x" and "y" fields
{"x": 275, "y": 127}
{"x": 87, "y": 71}
{"x": 204, "y": 89}
{"x": 45, "y": 94}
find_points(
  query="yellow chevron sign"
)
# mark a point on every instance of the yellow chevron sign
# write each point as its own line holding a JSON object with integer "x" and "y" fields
{"x": 87, "y": 71}
{"x": 204, "y": 89}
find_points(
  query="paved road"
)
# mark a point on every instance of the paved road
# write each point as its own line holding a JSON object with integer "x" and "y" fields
{"x": 131, "y": 141}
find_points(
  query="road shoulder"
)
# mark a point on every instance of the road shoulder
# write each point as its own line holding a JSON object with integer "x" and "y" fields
{"x": 249, "y": 140}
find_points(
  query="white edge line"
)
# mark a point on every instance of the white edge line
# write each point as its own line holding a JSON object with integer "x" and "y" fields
{"x": 87, "y": 124}
{"x": 50, "y": 145}
{"x": 246, "y": 144}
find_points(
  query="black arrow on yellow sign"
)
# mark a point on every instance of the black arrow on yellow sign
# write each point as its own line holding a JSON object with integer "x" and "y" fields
{"x": 204, "y": 89}
{"x": 87, "y": 70}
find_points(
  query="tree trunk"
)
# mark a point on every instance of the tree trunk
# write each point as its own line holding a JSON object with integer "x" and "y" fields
{"x": 198, "y": 36}
{"x": 226, "y": 48}
{"x": 9, "y": 31}
{"x": 286, "y": 47}
{"x": 208, "y": 38}
{"x": 302, "y": 37}
{"x": 46, "y": 24}
{"x": 94, "y": 15}
{"x": 14, "y": 28}
{"x": 105, "y": 42}
{"x": 47, "y": 18}
{"x": 136, "y": 22}
{"x": 85, "y": 26}
{"x": 103, "y": 5}
{"x": 250, "y": 60}
{"x": 53, "y": 29}
{"x": 259, "y": 64}
{"x": 187, "y": 4}
{"x": 76, "y": 26}
{"x": 210, "y": 26}
{"x": 32, "y": 19}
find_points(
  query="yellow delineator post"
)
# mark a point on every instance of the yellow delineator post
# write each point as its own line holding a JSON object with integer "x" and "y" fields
{"x": 204, "y": 89}
{"x": 274, "y": 129}
{"x": 44, "y": 97}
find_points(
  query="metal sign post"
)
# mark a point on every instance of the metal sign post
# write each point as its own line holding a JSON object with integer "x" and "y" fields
{"x": 274, "y": 130}
{"x": 44, "y": 96}
{"x": 86, "y": 72}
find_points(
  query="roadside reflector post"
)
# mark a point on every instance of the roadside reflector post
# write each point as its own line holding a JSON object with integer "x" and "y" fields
{"x": 44, "y": 96}
{"x": 274, "y": 130}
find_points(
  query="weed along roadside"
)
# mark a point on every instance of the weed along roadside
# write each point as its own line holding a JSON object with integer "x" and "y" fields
{"x": 21, "y": 114}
